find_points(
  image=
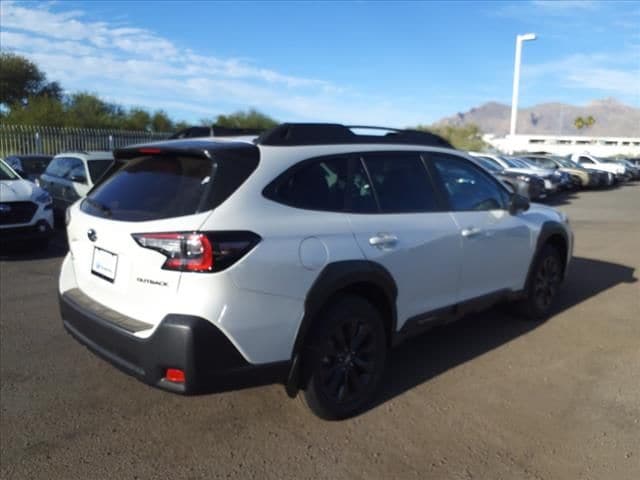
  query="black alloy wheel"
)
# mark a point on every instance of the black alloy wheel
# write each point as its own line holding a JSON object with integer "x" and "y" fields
{"x": 347, "y": 361}
{"x": 546, "y": 282}
{"x": 345, "y": 358}
{"x": 543, "y": 285}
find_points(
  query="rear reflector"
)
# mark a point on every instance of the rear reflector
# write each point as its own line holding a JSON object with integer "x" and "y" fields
{"x": 175, "y": 375}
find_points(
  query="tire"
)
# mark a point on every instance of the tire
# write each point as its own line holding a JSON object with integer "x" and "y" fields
{"x": 543, "y": 284}
{"x": 345, "y": 358}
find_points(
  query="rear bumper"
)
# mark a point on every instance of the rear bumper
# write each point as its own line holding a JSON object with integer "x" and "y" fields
{"x": 209, "y": 360}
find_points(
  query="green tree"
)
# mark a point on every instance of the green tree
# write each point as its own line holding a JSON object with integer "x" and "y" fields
{"x": 41, "y": 111}
{"x": 87, "y": 110}
{"x": 581, "y": 123}
{"x": 137, "y": 119}
{"x": 21, "y": 79}
{"x": 250, "y": 119}
{"x": 160, "y": 122}
{"x": 465, "y": 137}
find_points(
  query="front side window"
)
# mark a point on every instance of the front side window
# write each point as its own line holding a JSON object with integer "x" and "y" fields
{"x": 75, "y": 170}
{"x": 58, "y": 167}
{"x": 401, "y": 182}
{"x": 467, "y": 187}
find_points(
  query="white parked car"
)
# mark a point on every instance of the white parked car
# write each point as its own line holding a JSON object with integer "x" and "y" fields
{"x": 591, "y": 162}
{"x": 71, "y": 175}
{"x": 26, "y": 213}
{"x": 301, "y": 258}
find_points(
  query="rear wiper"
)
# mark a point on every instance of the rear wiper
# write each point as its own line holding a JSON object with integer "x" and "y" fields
{"x": 103, "y": 208}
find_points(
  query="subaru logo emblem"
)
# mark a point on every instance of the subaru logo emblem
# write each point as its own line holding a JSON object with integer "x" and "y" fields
{"x": 93, "y": 236}
{"x": 5, "y": 208}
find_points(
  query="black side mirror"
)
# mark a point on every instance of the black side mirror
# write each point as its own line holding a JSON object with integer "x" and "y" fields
{"x": 519, "y": 203}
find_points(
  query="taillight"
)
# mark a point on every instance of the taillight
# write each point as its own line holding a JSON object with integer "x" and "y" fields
{"x": 197, "y": 251}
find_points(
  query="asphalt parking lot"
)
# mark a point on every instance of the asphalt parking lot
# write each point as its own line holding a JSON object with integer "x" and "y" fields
{"x": 489, "y": 397}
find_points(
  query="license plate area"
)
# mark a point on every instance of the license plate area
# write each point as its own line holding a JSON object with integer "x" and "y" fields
{"x": 104, "y": 264}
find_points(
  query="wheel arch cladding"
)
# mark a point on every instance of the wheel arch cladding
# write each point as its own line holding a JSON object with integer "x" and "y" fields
{"x": 554, "y": 234}
{"x": 364, "y": 278}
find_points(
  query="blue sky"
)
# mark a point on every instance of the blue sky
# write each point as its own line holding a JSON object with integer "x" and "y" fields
{"x": 396, "y": 64}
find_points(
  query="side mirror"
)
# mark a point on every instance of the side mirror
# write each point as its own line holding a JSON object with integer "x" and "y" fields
{"x": 519, "y": 203}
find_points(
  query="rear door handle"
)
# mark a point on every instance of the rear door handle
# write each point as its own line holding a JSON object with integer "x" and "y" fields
{"x": 383, "y": 240}
{"x": 471, "y": 232}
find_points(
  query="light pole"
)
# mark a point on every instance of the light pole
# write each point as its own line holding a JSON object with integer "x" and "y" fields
{"x": 516, "y": 79}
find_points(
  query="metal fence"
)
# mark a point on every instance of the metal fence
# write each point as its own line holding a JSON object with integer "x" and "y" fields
{"x": 29, "y": 139}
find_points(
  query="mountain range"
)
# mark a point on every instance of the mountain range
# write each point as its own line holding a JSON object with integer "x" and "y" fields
{"x": 612, "y": 118}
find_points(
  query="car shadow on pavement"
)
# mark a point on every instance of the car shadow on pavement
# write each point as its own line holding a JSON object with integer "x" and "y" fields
{"x": 422, "y": 358}
{"x": 560, "y": 198}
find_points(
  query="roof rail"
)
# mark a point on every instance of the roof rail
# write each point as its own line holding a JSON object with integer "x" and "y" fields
{"x": 214, "y": 131}
{"x": 290, "y": 134}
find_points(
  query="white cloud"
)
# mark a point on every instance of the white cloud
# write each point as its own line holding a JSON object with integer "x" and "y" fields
{"x": 616, "y": 74}
{"x": 135, "y": 66}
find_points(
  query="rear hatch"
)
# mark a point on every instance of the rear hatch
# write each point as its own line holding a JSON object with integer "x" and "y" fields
{"x": 122, "y": 235}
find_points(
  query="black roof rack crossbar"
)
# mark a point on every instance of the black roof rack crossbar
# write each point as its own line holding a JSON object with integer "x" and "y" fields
{"x": 294, "y": 134}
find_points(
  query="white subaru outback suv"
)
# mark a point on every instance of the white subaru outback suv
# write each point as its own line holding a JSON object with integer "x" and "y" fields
{"x": 199, "y": 266}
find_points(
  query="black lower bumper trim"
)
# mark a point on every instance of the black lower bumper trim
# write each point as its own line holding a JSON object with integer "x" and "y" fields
{"x": 40, "y": 230}
{"x": 210, "y": 361}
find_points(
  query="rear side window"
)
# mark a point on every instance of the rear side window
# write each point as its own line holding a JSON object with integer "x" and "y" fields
{"x": 97, "y": 168}
{"x": 165, "y": 186}
{"x": 401, "y": 182}
{"x": 315, "y": 185}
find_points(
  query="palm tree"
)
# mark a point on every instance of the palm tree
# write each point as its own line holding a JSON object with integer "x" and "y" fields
{"x": 579, "y": 123}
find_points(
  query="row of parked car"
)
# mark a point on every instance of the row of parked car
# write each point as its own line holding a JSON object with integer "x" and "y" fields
{"x": 34, "y": 189}
{"x": 56, "y": 182}
{"x": 540, "y": 175}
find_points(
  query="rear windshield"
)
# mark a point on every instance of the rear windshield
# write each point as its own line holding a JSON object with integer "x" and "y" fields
{"x": 97, "y": 168}
{"x": 31, "y": 165}
{"x": 488, "y": 164}
{"x": 165, "y": 186}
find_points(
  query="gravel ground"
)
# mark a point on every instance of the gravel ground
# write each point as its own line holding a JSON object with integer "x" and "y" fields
{"x": 490, "y": 397}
